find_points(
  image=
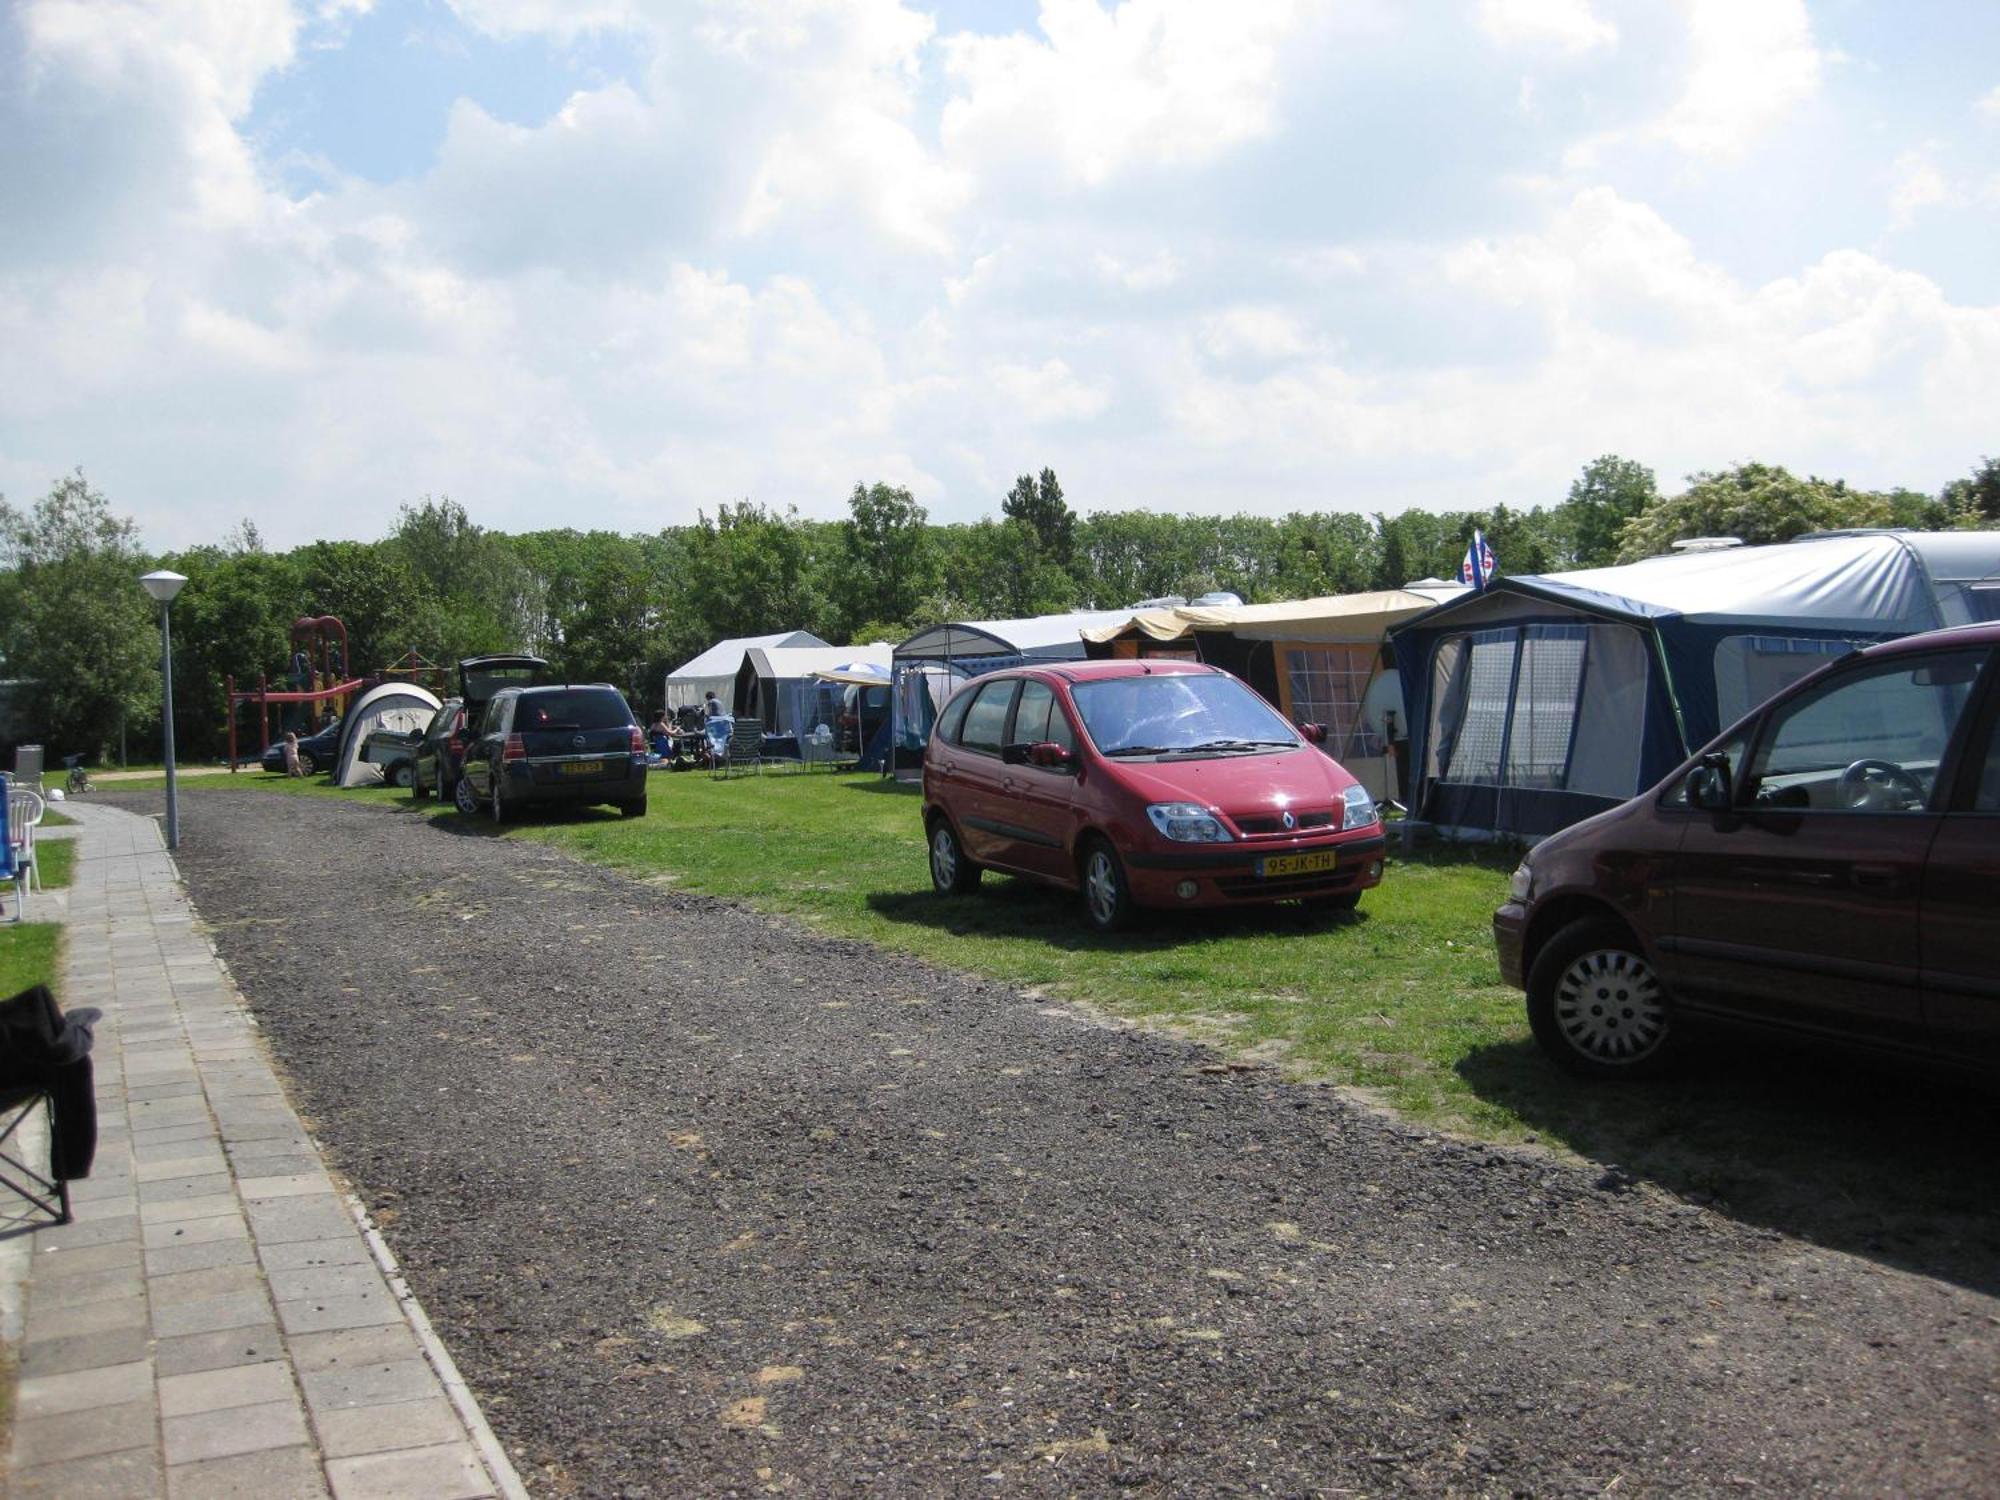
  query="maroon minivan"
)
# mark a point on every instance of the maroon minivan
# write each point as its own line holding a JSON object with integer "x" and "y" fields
{"x": 1829, "y": 868}
{"x": 1142, "y": 783}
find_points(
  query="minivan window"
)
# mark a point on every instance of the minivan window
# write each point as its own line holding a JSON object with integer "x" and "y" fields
{"x": 953, "y": 718}
{"x": 1173, "y": 712}
{"x": 986, "y": 720}
{"x": 572, "y": 708}
{"x": 1869, "y": 742}
{"x": 1031, "y": 714}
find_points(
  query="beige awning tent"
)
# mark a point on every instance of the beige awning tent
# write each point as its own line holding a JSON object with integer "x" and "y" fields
{"x": 1336, "y": 617}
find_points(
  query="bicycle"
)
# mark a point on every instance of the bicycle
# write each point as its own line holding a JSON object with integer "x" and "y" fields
{"x": 79, "y": 779}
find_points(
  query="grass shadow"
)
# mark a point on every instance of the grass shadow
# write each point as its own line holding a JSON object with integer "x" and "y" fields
{"x": 1892, "y": 1165}
{"x": 1008, "y": 907}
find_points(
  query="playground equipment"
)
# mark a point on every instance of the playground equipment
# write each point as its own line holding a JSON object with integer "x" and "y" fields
{"x": 319, "y": 682}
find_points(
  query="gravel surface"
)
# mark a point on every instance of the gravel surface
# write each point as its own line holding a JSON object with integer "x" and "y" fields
{"x": 704, "y": 1204}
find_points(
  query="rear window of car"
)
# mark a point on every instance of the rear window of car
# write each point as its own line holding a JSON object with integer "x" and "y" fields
{"x": 954, "y": 715}
{"x": 986, "y": 720}
{"x": 572, "y": 708}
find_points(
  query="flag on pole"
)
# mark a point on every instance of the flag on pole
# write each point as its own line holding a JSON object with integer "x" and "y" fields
{"x": 1477, "y": 569}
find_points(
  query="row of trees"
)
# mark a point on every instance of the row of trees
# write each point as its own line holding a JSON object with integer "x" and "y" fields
{"x": 81, "y": 639}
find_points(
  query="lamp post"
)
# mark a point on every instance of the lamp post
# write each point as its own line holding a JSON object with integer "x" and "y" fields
{"x": 163, "y": 586}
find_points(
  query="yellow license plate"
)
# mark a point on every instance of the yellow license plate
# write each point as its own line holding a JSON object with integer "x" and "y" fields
{"x": 1297, "y": 864}
{"x": 582, "y": 767}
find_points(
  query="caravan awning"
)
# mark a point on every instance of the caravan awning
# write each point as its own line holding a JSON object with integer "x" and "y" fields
{"x": 1336, "y": 617}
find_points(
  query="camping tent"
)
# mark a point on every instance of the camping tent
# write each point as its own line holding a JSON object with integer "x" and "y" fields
{"x": 714, "y": 671}
{"x": 1545, "y": 699}
{"x": 1318, "y": 661}
{"x": 778, "y": 684}
{"x": 398, "y": 707}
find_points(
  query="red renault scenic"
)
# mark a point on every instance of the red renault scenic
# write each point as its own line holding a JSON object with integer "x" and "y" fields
{"x": 1141, "y": 783}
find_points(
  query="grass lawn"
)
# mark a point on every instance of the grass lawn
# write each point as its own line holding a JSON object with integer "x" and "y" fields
{"x": 57, "y": 857}
{"x": 30, "y": 952}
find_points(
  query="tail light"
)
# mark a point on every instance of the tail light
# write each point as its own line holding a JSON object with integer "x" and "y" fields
{"x": 516, "y": 748}
{"x": 638, "y": 740}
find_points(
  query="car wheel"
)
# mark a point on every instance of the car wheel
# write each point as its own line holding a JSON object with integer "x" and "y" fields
{"x": 1596, "y": 1005}
{"x": 494, "y": 802}
{"x": 463, "y": 798}
{"x": 952, "y": 874}
{"x": 1341, "y": 901}
{"x": 632, "y": 809}
{"x": 400, "y": 774}
{"x": 307, "y": 765}
{"x": 418, "y": 791}
{"x": 1107, "y": 897}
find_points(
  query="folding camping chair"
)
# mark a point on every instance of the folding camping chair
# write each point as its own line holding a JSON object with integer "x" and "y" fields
{"x": 745, "y": 750}
{"x": 24, "y": 815}
{"x": 45, "y": 1064}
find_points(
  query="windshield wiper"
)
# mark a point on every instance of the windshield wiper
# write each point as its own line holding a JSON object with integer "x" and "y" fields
{"x": 1236, "y": 744}
{"x": 1140, "y": 750}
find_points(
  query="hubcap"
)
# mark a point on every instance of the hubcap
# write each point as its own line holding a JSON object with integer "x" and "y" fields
{"x": 944, "y": 858}
{"x": 462, "y": 795}
{"x": 1610, "y": 1006}
{"x": 1101, "y": 881}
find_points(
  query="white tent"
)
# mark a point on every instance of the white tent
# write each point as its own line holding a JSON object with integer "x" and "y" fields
{"x": 398, "y": 707}
{"x": 1004, "y": 642}
{"x": 714, "y": 671}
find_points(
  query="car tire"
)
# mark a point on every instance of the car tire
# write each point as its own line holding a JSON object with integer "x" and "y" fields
{"x": 1597, "y": 1006}
{"x": 632, "y": 809}
{"x": 418, "y": 791}
{"x": 495, "y": 803}
{"x": 1107, "y": 895}
{"x": 1339, "y": 901}
{"x": 952, "y": 872}
{"x": 464, "y": 798}
{"x": 401, "y": 775}
{"x": 307, "y": 765}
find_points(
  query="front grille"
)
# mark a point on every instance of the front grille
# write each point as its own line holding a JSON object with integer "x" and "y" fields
{"x": 1280, "y": 887}
{"x": 1275, "y": 824}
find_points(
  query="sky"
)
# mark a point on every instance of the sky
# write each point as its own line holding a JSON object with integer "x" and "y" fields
{"x": 610, "y": 263}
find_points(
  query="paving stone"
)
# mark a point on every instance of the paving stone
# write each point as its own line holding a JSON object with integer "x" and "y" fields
{"x": 216, "y": 1390}
{"x": 84, "y": 1351}
{"x": 353, "y": 1348}
{"x": 293, "y": 1473}
{"x": 369, "y": 1385}
{"x": 357, "y": 1278}
{"x": 84, "y": 1432}
{"x": 206, "y": 1162}
{"x": 46, "y": 1323}
{"x": 200, "y": 1257}
{"x": 95, "y": 1286}
{"x": 209, "y": 1281}
{"x": 292, "y": 1185}
{"x": 343, "y": 1250}
{"x": 356, "y": 1310}
{"x": 239, "y": 1429}
{"x": 349, "y": 1432}
{"x": 229, "y": 1226}
{"x": 207, "y": 1206}
{"x": 106, "y": 1385}
{"x": 448, "y": 1471}
{"x": 219, "y": 1350}
{"x": 280, "y": 1220}
{"x": 130, "y": 1474}
{"x": 212, "y": 1314}
{"x": 51, "y": 1264}
{"x": 205, "y": 1188}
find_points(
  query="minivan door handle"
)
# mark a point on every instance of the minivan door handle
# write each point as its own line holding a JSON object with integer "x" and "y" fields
{"x": 1877, "y": 877}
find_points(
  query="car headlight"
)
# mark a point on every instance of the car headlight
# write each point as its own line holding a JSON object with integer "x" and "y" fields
{"x": 1357, "y": 808}
{"x": 1187, "y": 823}
{"x": 1521, "y": 884}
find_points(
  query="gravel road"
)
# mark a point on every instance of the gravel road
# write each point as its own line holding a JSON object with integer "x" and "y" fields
{"x": 705, "y": 1204}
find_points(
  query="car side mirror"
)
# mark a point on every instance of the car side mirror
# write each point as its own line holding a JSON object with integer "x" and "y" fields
{"x": 1708, "y": 785}
{"x": 1050, "y": 756}
{"x": 1015, "y": 754}
{"x": 1315, "y": 734}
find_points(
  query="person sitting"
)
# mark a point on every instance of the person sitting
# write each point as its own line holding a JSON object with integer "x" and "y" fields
{"x": 661, "y": 736}
{"x": 713, "y": 708}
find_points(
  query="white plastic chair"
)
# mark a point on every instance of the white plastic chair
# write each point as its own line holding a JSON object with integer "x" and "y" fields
{"x": 24, "y": 813}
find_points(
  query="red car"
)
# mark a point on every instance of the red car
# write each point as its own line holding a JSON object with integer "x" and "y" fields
{"x": 1829, "y": 868}
{"x": 1142, "y": 783}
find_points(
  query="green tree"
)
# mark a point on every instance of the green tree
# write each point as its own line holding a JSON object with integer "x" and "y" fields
{"x": 234, "y": 618}
{"x": 1610, "y": 491}
{"x": 888, "y": 562}
{"x": 749, "y": 571}
{"x": 1974, "y": 501}
{"x": 1759, "y": 503}
{"x": 1039, "y": 504}
{"x": 79, "y": 628}
{"x": 473, "y": 593}
{"x": 371, "y": 590}
{"x": 616, "y": 634}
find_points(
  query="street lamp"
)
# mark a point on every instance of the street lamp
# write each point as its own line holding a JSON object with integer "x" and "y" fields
{"x": 163, "y": 586}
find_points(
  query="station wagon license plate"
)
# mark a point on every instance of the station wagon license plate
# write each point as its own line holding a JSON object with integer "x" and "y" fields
{"x": 581, "y": 767}
{"x": 1296, "y": 864}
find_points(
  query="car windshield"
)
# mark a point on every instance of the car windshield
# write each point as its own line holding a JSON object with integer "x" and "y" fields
{"x": 580, "y": 709}
{"x": 1178, "y": 713}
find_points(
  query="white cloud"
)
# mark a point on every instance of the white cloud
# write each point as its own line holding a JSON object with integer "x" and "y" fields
{"x": 1146, "y": 83}
{"x": 1988, "y": 107}
{"x": 1920, "y": 183}
{"x": 1048, "y": 393}
{"x": 1753, "y": 62}
{"x": 1568, "y": 26}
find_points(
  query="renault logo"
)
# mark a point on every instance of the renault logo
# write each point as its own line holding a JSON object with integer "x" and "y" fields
{"x": 1290, "y": 821}
{"x": 578, "y": 743}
